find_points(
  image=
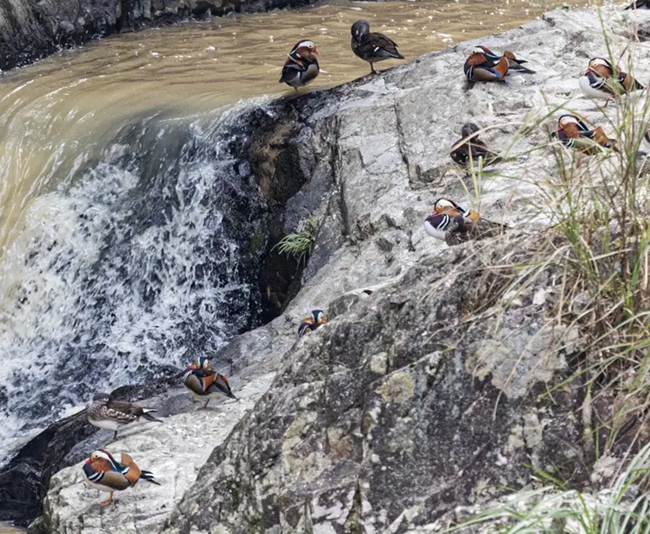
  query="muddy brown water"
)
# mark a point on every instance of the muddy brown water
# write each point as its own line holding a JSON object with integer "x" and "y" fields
{"x": 59, "y": 113}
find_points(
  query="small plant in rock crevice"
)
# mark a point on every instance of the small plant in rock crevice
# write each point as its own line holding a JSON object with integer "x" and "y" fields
{"x": 299, "y": 245}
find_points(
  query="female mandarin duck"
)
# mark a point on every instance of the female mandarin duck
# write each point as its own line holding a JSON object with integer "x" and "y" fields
{"x": 575, "y": 134}
{"x": 301, "y": 68}
{"x": 469, "y": 149}
{"x": 101, "y": 471}
{"x": 602, "y": 81}
{"x": 105, "y": 412}
{"x": 205, "y": 383}
{"x": 311, "y": 323}
{"x": 454, "y": 225}
{"x": 372, "y": 47}
{"x": 481, "y": 68}
{"x": 514, "y": 64}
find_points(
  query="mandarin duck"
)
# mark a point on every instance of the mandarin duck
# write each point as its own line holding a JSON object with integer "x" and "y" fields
{"x": 105, "y": 412}
{"x": 301, "y": 67}
{"x": 602, "y": 81}
{"x": 205, "y": 383}
{"x": 575, "y": 134}
{"x": 514, "y": 64}
{"x": 454, "y": 225}
{"x": 101, "y": 471}
{"x": 481, "y": 68}
{"x": 311, "y": 323}
{"x": 372, "y": 47}
{"x": 469, "y": 149}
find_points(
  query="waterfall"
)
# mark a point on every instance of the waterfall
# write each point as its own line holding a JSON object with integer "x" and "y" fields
{"x": 137, "y": 262}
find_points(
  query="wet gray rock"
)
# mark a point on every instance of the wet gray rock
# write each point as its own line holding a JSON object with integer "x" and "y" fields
{"x": 387, "y": 417}
{"x": 30, "y": 29}
{"x": 174, "y": 451}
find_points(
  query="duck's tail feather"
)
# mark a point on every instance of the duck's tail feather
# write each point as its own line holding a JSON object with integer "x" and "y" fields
{"x": 147, "y": 415}
{"x": 148, "y": 476}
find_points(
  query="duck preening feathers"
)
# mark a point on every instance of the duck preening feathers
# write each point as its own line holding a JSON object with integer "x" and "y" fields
{"x": 103, "y": 472}
{"x": 311, "y": 323}
{"x": 514, "y": 64}
{"x": 301, "y": 67}
{"x": 372, "y": 47}
{"x": 470, "y": 149}
{"x": 575, "y": 134}
{"x": 454, "y": 225}
{"x": 481, "y": 68}
{"x": 205, "y": 383}
{"x": 603, "y": 81}
{"x": 105, "y": 412}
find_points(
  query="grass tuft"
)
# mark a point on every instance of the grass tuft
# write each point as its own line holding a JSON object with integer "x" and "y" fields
{"x": 299, "y": 245}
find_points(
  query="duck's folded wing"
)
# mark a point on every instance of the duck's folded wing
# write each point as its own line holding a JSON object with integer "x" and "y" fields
{"x": 132, "y": 471}
{"x": 377, "y": 44}
{"x": 600, "y": 137}
{"x": 463, "y": 230}
{"x": 290, "y": 72}
{"x": 127, "y": 408}
{"x": 119, "y": 411}
{"x": 195, "y": 384}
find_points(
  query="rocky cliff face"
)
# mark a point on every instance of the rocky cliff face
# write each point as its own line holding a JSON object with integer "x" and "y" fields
{"x": 30, "y": 29}
{"x": 398, "y": 411}
{"x": 429, "y": 393}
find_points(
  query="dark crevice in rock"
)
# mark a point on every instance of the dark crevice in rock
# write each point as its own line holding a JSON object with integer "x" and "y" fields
{"x": 276, "y": 165}
{"x": 281, "y": 156}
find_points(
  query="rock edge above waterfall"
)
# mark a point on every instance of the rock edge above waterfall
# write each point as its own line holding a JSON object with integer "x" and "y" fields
{"x": 425, "y": 395}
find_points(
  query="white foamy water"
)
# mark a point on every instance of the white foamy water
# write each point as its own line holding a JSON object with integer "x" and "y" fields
{"x": 130, "y": 270}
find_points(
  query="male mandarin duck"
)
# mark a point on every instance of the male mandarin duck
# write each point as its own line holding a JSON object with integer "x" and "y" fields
{"x": 481, "y": 68}
{"x": 101, "y": 471}
{"x": 514, "y": 64}
{"x": 311, "y": 323}
{"x": 575, "y": 134}
{"x": 105, "y": 412}
{"x": 454, "y": 225}
{"x": 205, "y": 383}
{"x": 602, "y": 81}
{"x": 301, "y": 68}
{"x": 372, "y": 47}
{"x": 470, "y": 148}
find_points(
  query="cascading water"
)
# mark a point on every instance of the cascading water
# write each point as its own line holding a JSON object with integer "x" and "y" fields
{"x": 143, "y": 262}
{"x": 126, "y": 220}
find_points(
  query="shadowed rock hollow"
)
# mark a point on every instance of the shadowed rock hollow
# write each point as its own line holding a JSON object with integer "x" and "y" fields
{"x": 432, "y": 392}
